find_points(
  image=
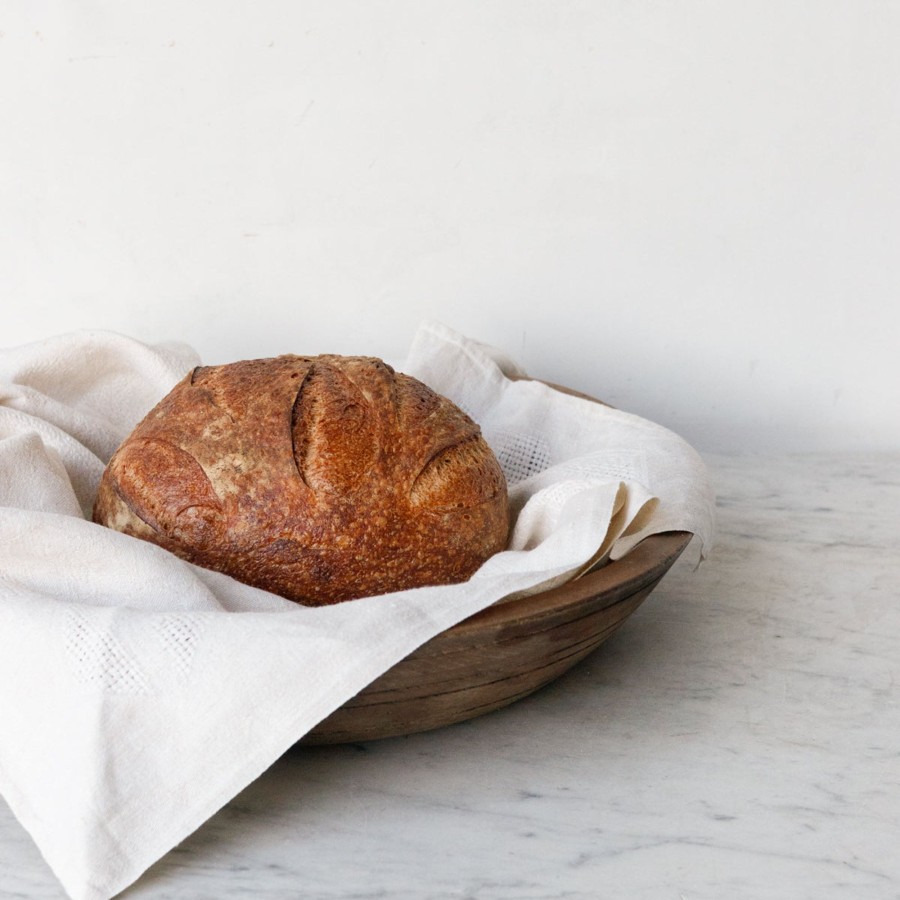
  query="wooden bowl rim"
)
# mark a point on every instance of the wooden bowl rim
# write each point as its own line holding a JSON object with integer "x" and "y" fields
{"x": 647, "y": 562}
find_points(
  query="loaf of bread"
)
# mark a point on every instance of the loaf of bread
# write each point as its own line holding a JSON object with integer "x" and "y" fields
{"x": 317, "y": 478}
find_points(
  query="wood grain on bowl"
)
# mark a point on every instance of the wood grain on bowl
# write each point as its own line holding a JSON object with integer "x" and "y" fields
{"x": 503, "y": 653}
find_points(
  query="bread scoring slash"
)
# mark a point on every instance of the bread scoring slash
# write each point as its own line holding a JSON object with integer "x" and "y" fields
{"x": 320, "y": 478}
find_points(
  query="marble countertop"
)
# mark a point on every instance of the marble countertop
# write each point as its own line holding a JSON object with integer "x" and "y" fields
{"x": 739, "y": 737}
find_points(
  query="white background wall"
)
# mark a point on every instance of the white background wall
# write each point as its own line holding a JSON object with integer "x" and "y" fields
{"x": 689, "y": 209}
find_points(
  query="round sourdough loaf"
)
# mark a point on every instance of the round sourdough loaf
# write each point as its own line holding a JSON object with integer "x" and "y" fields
{"x": 318, "y": 478}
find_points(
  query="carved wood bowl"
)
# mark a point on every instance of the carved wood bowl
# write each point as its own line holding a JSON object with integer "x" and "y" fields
{"x": 505, "y": 652}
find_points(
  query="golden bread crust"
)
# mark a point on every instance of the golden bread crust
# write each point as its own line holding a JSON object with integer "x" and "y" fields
{"x": 318, "y": 478}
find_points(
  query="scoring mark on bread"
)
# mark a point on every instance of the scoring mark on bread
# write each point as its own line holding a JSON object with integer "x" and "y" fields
{"x": 166, "y": 488}
{"x": 210, "y": 390}
{"x": 299, "y": 445}
{"x": 448, "y": 479}
{"x": 333, "y": 435}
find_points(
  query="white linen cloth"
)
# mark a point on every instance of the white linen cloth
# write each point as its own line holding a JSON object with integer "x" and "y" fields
{"x": 139, "y": 693}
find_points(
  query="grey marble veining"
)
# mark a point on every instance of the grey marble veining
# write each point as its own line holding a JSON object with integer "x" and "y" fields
{"x": 738, "y": 738}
